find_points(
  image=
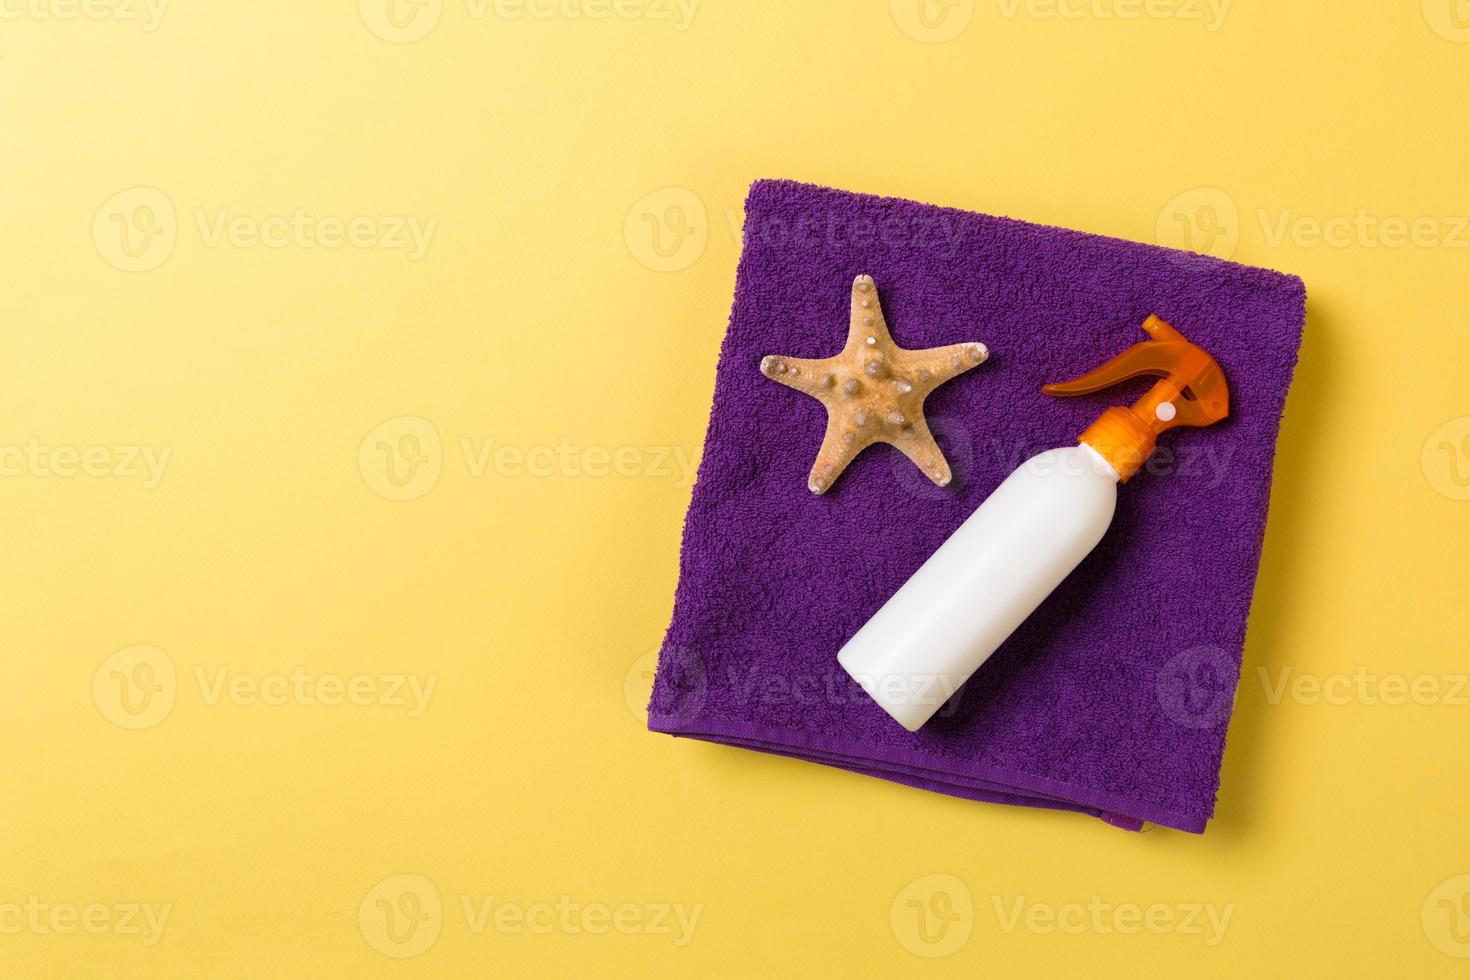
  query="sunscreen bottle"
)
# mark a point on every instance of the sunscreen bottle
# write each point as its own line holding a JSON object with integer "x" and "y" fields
{"x": 1028, "y": 535}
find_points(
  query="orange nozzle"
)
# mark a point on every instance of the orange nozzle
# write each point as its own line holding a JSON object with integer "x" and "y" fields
{"x": 1192, "y": 391}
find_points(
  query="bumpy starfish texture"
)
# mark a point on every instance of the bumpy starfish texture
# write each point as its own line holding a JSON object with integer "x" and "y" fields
{"x": 874, "y": 391}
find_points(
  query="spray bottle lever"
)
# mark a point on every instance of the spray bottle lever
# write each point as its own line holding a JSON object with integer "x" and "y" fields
{"x": 1191, "y": 391}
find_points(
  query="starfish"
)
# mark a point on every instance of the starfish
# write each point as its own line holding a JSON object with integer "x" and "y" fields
{"x": 874, "y": 391}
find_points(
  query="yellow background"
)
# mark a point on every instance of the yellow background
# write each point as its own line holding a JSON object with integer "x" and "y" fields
{"x": 544, "y": 313}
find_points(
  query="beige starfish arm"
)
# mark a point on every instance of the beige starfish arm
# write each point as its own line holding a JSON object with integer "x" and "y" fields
{"x": 866, "y": 319}
{"x": 812, "y": 377}
{"x": 933, "y": 367}
{"x": 874, "y": 391}
{"x": 919, "y": 445}
{"x": 840, "y": 447}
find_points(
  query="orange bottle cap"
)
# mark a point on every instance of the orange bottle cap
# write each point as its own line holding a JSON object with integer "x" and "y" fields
{"x": 1191, "y": 391}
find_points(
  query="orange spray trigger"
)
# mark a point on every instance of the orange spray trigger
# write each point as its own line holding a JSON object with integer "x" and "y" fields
{"x": 1191, "y": 391}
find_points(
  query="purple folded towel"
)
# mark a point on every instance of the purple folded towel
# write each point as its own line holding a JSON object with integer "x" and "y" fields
{"x": 1113, "y": 698}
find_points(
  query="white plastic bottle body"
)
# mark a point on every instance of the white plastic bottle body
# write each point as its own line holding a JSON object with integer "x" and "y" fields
{"x": 983, "y": 582}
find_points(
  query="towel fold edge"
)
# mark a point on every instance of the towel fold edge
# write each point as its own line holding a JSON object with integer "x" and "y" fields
{"x": 980, "y": 783}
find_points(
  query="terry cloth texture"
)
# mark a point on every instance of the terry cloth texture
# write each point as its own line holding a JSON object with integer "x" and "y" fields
{"x": 1114, "y": 697}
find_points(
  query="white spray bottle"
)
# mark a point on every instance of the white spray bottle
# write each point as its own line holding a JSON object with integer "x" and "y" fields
{"x": 1028, "y": 535}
